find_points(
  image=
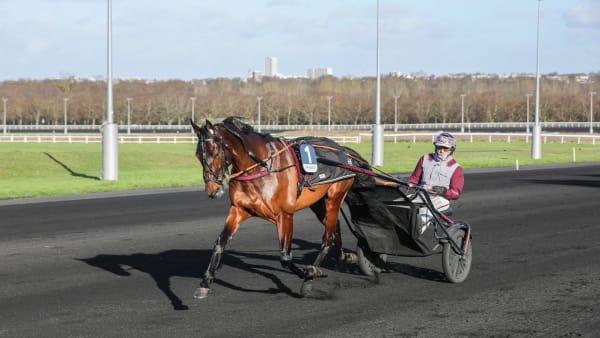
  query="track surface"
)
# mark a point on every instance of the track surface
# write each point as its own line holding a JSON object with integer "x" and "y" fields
{"x": 127, "y": 265}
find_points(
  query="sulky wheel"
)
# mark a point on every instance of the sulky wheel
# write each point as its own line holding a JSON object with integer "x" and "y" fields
{"x": 369, "y": 262}
{"x": 456, "y": 267}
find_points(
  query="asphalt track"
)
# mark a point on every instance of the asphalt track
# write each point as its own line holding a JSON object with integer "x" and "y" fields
{"x": 125, "y": 265}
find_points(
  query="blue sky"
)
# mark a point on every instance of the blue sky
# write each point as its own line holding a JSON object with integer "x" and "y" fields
{"x": 191, "y": 39}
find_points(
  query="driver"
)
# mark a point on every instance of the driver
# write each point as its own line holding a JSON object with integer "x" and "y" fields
{"x": 439, "y": 173}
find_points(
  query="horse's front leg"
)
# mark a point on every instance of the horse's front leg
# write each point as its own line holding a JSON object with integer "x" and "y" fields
{"x": 234, "y": 219}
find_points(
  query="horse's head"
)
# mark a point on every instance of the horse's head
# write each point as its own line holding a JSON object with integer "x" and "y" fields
{"x": 213, "y": 154}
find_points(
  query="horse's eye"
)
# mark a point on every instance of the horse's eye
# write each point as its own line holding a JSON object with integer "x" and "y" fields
{"x": 217, "y": 155}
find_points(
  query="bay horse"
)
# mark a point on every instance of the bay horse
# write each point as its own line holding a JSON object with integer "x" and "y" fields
{"x": 265, "y": 183}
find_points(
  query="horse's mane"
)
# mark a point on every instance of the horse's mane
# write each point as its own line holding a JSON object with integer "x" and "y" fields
{"x": 236, "y": 124}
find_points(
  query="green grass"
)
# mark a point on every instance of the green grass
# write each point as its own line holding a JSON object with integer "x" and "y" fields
{"x": 56, "y": 169}
{"x": 45, "y": 169}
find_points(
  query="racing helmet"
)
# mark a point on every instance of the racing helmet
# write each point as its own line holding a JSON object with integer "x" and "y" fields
{"x": 445, "y": 139}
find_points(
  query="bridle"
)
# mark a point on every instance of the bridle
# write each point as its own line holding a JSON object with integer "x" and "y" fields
{"x": 208, "y": 169}
{"x": 240, "y": 175}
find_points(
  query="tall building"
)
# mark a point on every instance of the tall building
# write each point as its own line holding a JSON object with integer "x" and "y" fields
{"x": 315, "y": 73}
{"x": 271, "y": 66}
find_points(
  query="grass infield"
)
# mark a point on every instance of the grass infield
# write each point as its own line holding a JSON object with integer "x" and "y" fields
{"x": 46, "y": 169}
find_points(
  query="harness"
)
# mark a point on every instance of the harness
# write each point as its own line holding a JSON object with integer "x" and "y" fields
{"x": 239, "y": 175}
{"x": 266, "y": 164}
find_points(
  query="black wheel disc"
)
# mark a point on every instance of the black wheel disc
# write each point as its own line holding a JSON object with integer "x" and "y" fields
{"x": 456, "y": 266}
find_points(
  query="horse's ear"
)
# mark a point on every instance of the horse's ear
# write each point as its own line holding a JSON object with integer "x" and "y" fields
{"x": 195, "y": 126}
{"x": 209, "y": 127}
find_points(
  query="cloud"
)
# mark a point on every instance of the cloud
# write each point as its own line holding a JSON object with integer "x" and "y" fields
{"x": 585, "y": 14}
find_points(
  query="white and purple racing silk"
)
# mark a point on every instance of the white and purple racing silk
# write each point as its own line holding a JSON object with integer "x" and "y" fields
{"x": 438, "y": 172}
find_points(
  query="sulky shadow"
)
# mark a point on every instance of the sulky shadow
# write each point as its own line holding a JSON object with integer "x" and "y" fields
{"x": 73, "y": 173}
{"x": 416, "y": 272}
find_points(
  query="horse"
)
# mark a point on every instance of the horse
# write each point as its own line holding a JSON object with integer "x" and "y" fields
{"x": 264, "y": 182}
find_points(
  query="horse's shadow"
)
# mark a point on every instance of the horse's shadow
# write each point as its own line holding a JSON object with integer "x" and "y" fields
{"x": 190, "y": 263}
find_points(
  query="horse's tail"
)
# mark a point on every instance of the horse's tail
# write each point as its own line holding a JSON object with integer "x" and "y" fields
{"x": 353, "y": 154}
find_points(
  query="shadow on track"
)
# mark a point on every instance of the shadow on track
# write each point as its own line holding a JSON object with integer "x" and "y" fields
{"x": 189, "y": 263}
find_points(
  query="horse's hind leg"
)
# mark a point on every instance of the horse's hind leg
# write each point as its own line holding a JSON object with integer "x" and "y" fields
{"x": 285, "y": 231}
{"x": 234, "y": 219}
{"x": 327, "y": 211}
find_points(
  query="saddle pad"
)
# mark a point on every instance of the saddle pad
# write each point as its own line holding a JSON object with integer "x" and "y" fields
{"x": 325, "y": 173}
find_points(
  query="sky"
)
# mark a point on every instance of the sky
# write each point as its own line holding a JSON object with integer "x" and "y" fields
{"x": 192, "y": 39}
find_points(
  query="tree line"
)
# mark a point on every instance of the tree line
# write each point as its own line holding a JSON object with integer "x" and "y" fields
{"x": 424, "y": 99}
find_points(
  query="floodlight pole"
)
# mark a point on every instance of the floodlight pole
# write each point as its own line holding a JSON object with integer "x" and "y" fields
{"x": 377, "y": 156}
{"x": 259, "y": 98}
{"x": 462, "y": 113}
{"x": 329, "y": 112}
{"x": 396, "y": 113}
{"x": 536, "y": 147}
{"x": 592, "y": 111}
{"x": 193, "y": 98}
{"x": 527, "y": 123}
{"x": 128, "y": 115}
{"x": 4, "y": 100}
{"x": 65, "y": 100}
{"x": 110, "y": 130}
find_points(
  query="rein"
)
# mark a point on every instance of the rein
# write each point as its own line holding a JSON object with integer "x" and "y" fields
{"x": 266, "y": 163}
{"x": 237, "y": 175}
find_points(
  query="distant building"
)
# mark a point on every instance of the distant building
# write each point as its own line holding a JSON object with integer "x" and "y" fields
{"x": 315, "y": 73}
{"x": 271, "y": 65}
{"x": 255, "y": 75}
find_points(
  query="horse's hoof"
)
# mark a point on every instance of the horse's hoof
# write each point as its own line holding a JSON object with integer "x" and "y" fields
{"x": 201, "y": 293}
{"x": 312, "y": 272}
{"x": 350, "y": 258}
{"x": 306, "y": 288}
